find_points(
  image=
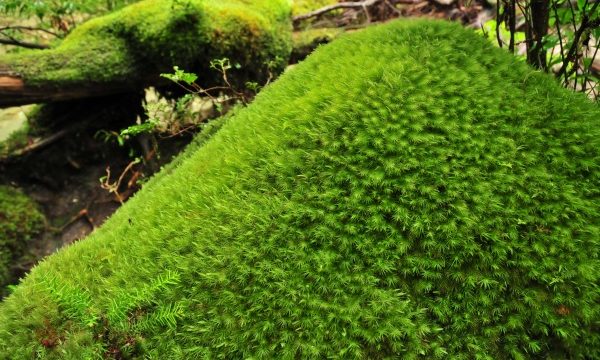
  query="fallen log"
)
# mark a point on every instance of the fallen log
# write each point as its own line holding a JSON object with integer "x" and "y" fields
{"x": 130, "y": 48}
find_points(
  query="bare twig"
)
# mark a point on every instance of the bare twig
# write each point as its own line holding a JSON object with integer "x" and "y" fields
{"x": 37, "y": 145}
{"x": 392, "y": 7}
{"x": 29, "y": 28}
{"x": 351, "y": 5}
{"x": 329, "y": 8}
{"x": 560, "y": 37}
{"x": 12, "y": 41}
{"x": 186, "y": 129}
{"x": 84, "y": 213}
{"x": 114, "y": 187}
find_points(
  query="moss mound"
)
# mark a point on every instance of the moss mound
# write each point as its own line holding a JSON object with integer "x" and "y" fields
{"x": 408, "y": 191}
{"x": 137, "y": 43}
{"x": 20, "y": 221}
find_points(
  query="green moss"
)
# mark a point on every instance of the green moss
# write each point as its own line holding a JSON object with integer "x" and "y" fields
{"x": 137, "y": 43}
{"x": 20, "y": 221}
{"x": 16, "y": 140}
{"x": 408, "y": 191}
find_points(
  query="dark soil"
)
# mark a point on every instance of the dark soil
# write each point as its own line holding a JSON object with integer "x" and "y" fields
{"x": 64, "y": 177}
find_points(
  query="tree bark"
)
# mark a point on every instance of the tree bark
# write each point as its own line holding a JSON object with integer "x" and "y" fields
{"x": 538, "y": 28}
{"x": 15, "y": 91}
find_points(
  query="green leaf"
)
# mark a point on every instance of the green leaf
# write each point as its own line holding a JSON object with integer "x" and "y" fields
{"x": 550, "y": 41}
{"x": 565, "y": 15}
{"x": 145, "y": 127}
{"x": 181, "y": 76}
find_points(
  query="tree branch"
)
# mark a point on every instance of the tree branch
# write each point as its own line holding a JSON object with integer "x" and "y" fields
{"x": 585, "y": 24}
{"x": 29, "y": 28}
{"x": 24, "y": 44}
{"x": 348, "y": 5}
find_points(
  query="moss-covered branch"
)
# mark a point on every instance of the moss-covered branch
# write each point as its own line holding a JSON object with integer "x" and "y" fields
{"x": 131, "y": 47}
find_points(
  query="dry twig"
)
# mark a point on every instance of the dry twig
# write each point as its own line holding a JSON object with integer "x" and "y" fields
{"x": 352, "y": 5}
{"x": 114, "y": 187}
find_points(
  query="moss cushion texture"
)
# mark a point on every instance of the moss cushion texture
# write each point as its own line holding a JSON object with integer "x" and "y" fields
{"x": 407, "y": 192}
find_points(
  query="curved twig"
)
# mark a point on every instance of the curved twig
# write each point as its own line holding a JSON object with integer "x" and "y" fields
{"x": 352, "y": 5}
{"x": 23, "y": 44}
{"x": 29, "y": 28}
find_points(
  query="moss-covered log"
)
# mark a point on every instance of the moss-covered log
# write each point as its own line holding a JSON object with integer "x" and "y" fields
{"x": 408, "y": 191}
{"x": 128, "y": 49}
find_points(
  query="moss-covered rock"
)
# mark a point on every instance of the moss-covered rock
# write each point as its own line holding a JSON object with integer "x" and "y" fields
{"x": 137, "y": 43}
{"x": 408, "y": 191}
{"x": 20, "y": 221}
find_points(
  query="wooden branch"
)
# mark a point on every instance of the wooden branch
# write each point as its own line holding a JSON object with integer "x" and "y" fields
{"x": 23, "y": 44}
{"x": 11, "y": 40}
{"x": 512, "y": 25}
{"x": 540, "y": 12}
{"x": 42, "y": 143}
{"x": 349, "y": 5}
{"x": 29, "y": 28}
{"x": 38, "y": 144}
{"x": 499, "y": 19}
{"x": 329, "y": 8}
{"x": 14, "y": 91}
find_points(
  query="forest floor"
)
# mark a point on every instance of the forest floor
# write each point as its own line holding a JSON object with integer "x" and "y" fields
{"x": 64, "y": 179}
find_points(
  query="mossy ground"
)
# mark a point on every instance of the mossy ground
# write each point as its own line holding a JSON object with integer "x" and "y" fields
{"x": 20, "y": 221}
{"x": 16, "y": 140}
{"x": 408, "y": 191}
{"x": 137, "y": 43}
